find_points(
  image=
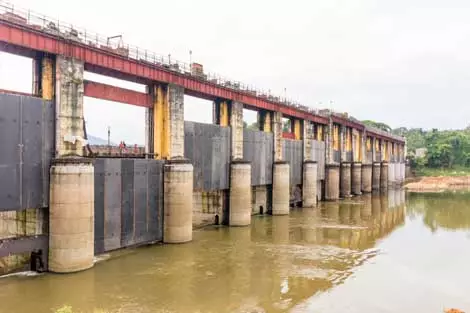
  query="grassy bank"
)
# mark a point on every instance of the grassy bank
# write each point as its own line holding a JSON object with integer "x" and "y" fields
{"x": 435, "y": 172}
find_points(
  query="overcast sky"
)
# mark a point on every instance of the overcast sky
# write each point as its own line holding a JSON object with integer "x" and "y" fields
{"x": 402, "y": 62}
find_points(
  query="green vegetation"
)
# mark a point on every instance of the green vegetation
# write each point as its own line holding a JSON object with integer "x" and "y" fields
{"x": 447, "y": 151}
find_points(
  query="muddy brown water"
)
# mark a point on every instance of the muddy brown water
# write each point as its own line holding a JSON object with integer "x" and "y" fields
{"x": 367, "y": 254}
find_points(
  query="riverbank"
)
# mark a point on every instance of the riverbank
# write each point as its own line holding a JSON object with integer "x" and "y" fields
{"x": 437, "y": 183}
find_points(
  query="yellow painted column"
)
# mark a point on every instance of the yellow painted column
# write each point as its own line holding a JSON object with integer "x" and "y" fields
{"x": 336, "y": 137}
{"x": 267, "y": 122}
{"x": 224, "y": 117}
{"x": 160, "y": 123}
{"x": 47, "y": 79}
{"x": 319, "y": 132}
{"x": 297, "y": 129}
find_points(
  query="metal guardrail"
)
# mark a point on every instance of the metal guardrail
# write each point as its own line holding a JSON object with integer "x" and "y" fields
{"x": 68, "y": 31}
{"x": 116, "y": 45}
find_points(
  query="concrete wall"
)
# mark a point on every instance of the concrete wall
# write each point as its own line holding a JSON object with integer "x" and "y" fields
{"x": 208, "y": 148}
{"x": 128, "y": 202}
{"x": 258, "y": 149}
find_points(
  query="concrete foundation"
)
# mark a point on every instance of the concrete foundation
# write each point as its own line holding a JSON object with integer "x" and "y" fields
{"x": 332, "y": 182}
{"x": 240, "y": 193}
{"x": 384, "y": 175}
{"x": 281, "y": 188}
{"x": 345, "y": 183}
{"x": 366, "y": 178}
{"x": 376, "y": 176}
{"x": 309, "y": 184}
{"x": 178, "y": 201}
{"x": 356, "y": 178}
{"x": 71, "y": 217}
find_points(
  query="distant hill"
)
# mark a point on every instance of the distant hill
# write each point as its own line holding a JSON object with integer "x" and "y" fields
{"x": 92, "y": 140}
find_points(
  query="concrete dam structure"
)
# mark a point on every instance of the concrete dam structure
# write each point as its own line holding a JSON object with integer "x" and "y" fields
{"x": 68, "y": 206}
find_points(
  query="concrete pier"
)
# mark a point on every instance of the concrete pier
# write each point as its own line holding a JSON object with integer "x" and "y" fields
{"x": 345, "y": 183}
{"x": 309, "y": 186}
{"x": 376, "y": 176}
{"x": 366, "y": 178}
{"x": 332, "y": 182}
{"x": 178, "y": 201}
{"x": 384, "y": 175}
{"x": 240, "y": 193}
{"x": 356, "y": 178}
{"x": 71, "y": 217}
{"x": 281, "y": 188}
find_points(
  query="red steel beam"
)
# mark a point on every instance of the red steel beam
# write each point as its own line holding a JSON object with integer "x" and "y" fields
{"x": 117, "y": 94}
{"x": 24, "y": 36}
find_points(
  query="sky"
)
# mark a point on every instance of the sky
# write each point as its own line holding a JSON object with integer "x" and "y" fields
{"x": 402, "y": 62}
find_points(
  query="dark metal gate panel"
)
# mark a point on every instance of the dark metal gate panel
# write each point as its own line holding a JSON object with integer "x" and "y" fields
{"x": 258, "y": 148}
{"x": 292, "y": 152}
{"x": 112, "y": 204}
{"x": 99, "y": 176}
{"x": 10, "y": 156}
{"x": 155, "y": 199}
{"x": 26, "y": 138}
{"x": 140, "y": 201}
{"x": 128, "y": 203}
{"x": 208, "y": 148}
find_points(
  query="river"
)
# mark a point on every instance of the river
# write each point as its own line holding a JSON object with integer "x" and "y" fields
{"x": 366, "y": 254}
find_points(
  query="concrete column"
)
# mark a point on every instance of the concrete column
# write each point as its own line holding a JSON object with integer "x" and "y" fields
{"x": 345, "y": 180}
{"x": 384, "y": 175}
{"x": 176, "y": 121}
{"x": 69, "y": 91}
{"x": 178, "y": 201}
{"x": 240, "y": 172}
{"x": 281, "y": 188}
{"x": 376, "y": 176}
{"x": 374, "y": 151}
{"x": 236, "y": 125}
{"x": 342, "y": 143}
{"x": 71, "y": 215}
{"x": 366, "y": 178}
{"x": 240, "y": 193}
{"x": 332, "y": 182}
{"x": 356, "y": 178}
{"x": 329, "y": 142}
{"x": 178, "y": 171}
{"x": 308, "y": 136}
{"x": 309, "y": 184}
{"x": 277, "y": 132}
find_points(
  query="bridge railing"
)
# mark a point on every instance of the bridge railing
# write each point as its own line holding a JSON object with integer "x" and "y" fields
{"x": 116, "y": 45}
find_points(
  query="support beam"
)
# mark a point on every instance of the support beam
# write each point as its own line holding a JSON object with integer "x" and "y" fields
{"x": 236, "y": 124}
{"x": 117, "y": 94}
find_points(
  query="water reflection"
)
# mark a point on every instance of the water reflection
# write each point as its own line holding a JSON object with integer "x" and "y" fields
{"x": 448, "y": 210}
{"x": 272, "y": 266}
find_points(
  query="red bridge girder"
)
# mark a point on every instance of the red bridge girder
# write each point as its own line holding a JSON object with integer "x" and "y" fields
{"x": 33, "y": 39}
{"x": 117, "y": 94}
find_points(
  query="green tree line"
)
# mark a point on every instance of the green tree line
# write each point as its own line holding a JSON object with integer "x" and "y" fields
{"x": 444, "y": 148}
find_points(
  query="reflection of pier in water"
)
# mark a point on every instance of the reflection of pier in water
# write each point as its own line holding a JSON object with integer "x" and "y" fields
{"x": 319, "y": 248}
